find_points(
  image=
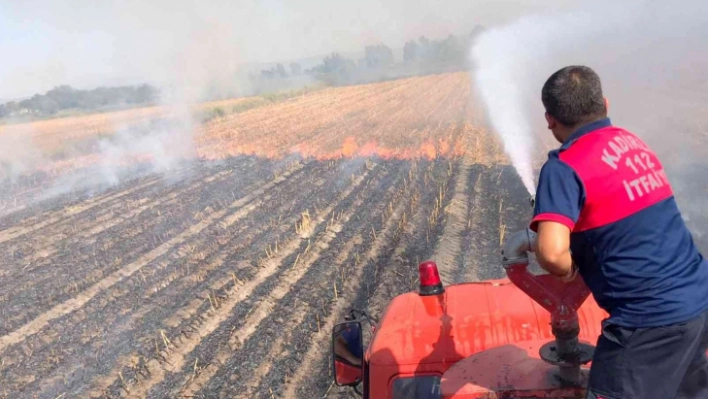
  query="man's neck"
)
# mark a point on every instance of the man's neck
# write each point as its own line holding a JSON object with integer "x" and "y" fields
{"x": 566, "y": 132}
{"x": 572, "y": 129}
{"x": 570, "y": 133}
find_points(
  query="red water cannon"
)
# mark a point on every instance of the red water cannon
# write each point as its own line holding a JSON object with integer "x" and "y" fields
{"x": 561, "y": 299}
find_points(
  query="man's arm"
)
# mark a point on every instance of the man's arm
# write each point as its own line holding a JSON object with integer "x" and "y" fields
{"x": 559, "y": 198}
{"x": 553, "y": 248}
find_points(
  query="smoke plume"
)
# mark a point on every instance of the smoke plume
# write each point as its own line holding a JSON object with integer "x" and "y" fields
{"x": 651, "y": 57}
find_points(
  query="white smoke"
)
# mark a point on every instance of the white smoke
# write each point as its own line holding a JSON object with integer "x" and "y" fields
{"x": 18, "y": 154}
{"x": 651, "y": 57}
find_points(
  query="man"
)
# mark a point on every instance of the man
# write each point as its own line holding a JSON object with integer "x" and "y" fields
{"x": 605, "y": 208}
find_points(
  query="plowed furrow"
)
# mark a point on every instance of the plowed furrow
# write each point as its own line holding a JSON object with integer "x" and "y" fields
{"x": 448, "y": 254}
{"x": 392, "y": 272}
{"x": 323, "y": 279}
{"x": 266, "y": 307}
{"x": 32, "y": 251}
{"x": 399, "y": 274}
{"x": 170, "y": 303}
{"x": 74, "y": 234}
{"x": 395, "y": 272}
{"x": 514, "y": 211}
{"x": 37, "y": 222}
{"x": 280, "y": 347}
{"x": 77, "y": 302}
{"x": 149, "y": 234}
{"x": 178, "y": 301}
{"x": 468, "y": 251}
{"x": 312, "y": 365}
{"x": 176, "y": 360}
{"x": 484, "y": 228}
{"x": 281, "y": 341}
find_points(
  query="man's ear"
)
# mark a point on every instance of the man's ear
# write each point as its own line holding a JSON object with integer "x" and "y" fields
{"x": 551, "y": 121}
{"x": 607, "y": 104}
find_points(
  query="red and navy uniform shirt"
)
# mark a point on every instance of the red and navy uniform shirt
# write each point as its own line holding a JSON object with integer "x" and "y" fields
{"x": 628, "y": 238}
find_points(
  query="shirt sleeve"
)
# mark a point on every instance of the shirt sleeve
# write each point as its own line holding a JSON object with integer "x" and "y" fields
{"x": 559, "y": 195}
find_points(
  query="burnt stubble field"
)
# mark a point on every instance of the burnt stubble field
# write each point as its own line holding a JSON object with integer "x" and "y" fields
{"x": 224, "y": 277}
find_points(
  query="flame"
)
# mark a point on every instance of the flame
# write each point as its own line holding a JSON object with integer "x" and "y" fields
{"x": 368, "y": 149}
{"x": 349, "y": 147}
{"x": 444, "y": 147}
{"x": 428, "y": 149}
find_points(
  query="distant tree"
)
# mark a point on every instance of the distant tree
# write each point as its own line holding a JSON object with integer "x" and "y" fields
{"x": 281, "y": 71}
{"x": 336, "y": 63}
{"x": 31, "y": 104}
{"x": 424, "y": 45}
{"x": 45, "y": 104}
{"x": 335, "y": 70}
{"x": 411, "y": 51}
{"x": 93, "y": 99}
{"x": 295, "y": 69}
{"x": 65, "y": 97}
{"x": 267, "y": 73}
{"x": 378, "y": 56}
{"x": 145, "y": 93}
{"x": 476, "y": 31}
{"x": 450, "y": 49}
{"x": 9, "y": 109}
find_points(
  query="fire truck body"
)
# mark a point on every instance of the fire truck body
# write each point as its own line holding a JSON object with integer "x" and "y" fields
{"x": 422, "y": 337}
{"x": 528, "y": 336}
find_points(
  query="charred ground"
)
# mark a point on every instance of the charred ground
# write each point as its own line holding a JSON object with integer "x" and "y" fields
{"x": 124, "y": 297}
{"x": 224, "y": 277}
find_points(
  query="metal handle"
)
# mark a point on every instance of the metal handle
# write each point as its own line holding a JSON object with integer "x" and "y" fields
{"x": 518, "y": 246}
{"x": 561, "y": 299}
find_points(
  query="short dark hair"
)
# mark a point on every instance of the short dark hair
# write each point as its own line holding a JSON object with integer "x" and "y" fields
{"x": 573, "y": 95}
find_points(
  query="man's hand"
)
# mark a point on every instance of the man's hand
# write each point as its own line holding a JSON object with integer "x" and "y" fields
{"x": 553, "y": 249}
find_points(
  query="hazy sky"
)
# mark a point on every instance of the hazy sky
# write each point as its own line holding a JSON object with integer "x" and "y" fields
{"x": 652, "y": 58}
{"x": 88, "y": 43}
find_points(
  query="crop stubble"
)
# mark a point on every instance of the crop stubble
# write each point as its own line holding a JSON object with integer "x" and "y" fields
{"x": 227, "y": 284}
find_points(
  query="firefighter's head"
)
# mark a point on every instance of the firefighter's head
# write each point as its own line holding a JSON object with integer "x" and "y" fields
{"x": 572, "y": 97}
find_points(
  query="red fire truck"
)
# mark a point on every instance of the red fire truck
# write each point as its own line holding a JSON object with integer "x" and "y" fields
{"x": 526, "y": 336}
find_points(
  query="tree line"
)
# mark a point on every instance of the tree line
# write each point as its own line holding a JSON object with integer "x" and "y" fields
{"x": 420, "y": 56}
{"x": 64, "y": 97}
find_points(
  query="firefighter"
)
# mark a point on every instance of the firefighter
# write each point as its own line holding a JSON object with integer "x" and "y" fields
{"x": 605, "y": 209}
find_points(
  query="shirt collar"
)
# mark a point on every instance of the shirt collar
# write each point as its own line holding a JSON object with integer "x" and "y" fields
{"x": 585, "y": 129}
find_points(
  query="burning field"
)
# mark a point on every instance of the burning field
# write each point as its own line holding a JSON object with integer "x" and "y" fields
{"x": 222, "y": 276}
